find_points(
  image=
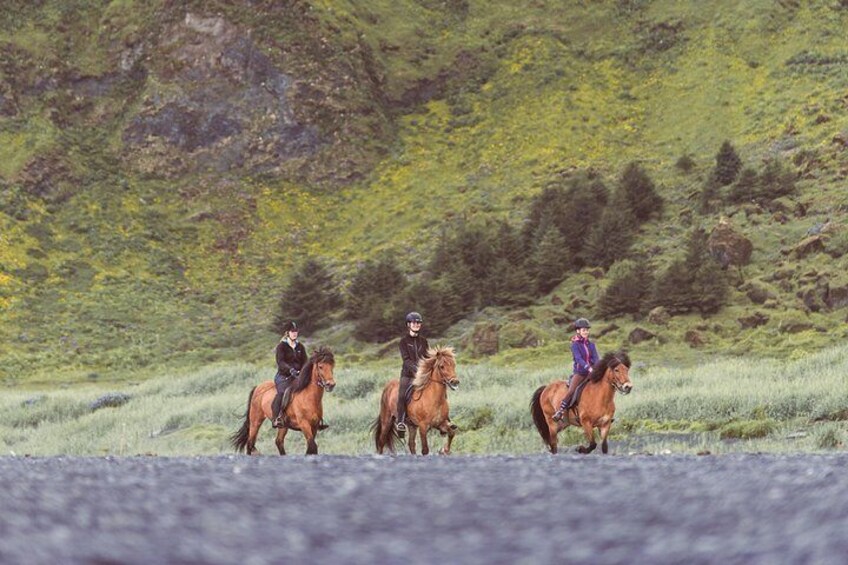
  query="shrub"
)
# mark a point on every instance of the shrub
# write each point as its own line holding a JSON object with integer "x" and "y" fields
{"x": 728, "y": 164}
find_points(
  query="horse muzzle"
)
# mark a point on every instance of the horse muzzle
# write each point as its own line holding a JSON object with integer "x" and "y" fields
{"x": 625, "y": 388}
{"x": 453, "y": 385}
{"x": 327, "y": 386}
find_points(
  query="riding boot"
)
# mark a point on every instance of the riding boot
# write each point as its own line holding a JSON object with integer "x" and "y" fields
{"x": 285, "y": 399}
{"x": 276, "y": 420}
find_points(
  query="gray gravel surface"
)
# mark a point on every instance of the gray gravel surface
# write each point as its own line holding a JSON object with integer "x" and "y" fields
{"x": 331, "y": 509}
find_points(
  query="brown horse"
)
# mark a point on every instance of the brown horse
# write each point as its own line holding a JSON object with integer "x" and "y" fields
{"x": 303, "y": 413}
{"x": 596, "y": 408}
{"x": 427, "y": 408}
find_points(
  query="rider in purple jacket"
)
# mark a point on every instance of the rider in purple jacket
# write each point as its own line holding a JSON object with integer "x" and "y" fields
{"x": 585, "y": 356}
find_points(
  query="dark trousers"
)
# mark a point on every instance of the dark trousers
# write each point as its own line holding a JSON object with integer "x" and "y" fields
{"x": 571, "y": 395}
{"x": 283, "y": 384}
{"x": 405, "y": 383}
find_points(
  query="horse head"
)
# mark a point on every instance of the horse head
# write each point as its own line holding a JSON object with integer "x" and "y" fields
{"x": 618, "y": 373}
{"x": 614, "y": 368}
{"x": 323, "y": 363}
{"x": 439, "y": 366}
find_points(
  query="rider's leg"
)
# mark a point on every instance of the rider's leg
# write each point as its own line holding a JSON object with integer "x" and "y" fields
{"x": 400, "y": 424}
{"x": 568, "y": 401}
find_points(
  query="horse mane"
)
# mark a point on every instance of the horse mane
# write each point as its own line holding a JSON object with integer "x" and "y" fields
{"x": 320, "y": 355}
{"x": 609, "y": 361}
{"x": 436, "y": 358}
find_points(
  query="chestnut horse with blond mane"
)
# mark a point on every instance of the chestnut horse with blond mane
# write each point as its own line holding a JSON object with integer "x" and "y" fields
{"x": 304, "y": 412}
{"x": 427, "y": 407}
{"x": 596, "y": 408}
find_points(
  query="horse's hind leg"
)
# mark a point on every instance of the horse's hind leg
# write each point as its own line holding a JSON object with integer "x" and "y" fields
{"x": 281, "y": 440}
{"x": 553, "y": 430}
{"x": 252, "y": 435}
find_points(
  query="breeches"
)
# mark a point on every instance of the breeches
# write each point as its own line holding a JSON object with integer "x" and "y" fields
{"x": 405, "y": 383}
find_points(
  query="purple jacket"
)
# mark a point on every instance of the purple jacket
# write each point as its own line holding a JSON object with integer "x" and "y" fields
{"x": 585, "y": 355}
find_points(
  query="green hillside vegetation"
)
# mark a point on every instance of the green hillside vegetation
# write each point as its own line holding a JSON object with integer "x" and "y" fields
{"x": 167, "y": 170}
{"x": 721, "y": 407}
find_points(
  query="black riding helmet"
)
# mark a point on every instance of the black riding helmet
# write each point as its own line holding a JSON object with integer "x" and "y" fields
{"x": 291, "y": 326}
{"x": 414, "y": 317}
{"x": 582, "y": 323}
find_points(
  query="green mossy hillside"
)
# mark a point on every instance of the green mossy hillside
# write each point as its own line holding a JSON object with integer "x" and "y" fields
{"x": 164, "y": 167}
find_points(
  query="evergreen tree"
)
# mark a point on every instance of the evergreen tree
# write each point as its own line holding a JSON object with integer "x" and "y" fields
{"x": 728, "y": 164}
{"x": 309, "y": 297}
{"x": 639, "y": 192}
{"x": 611, "y": 237}
{"x": 511, "y": 283}
{"x": 775, "y": 181}
{"x": 549, "y": 260}
{"x": 628, "y": 291}
{"x": 709, "y": 195}
{"x": 372, "y": 299}
{"x": 587, "y": 199}
{"x": 693, "y": 283}
{"x": 745, "y": 187}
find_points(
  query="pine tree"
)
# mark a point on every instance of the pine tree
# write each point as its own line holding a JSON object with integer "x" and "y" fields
{"x": 776, "y": 180}
{"x": 628, "y": 291}
{"x": 639, "y": 192}
{"x": 549, "y": 260}
{"x": 611, "y": 237}
{"x": 309, "y": 298}
{"x": 709, "y": 195}
{"x": 728, "y": 164}
{"x": 372, "y": 299}
{"x": 745, "y": 187}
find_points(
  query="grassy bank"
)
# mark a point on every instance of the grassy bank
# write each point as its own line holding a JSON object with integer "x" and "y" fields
{"x": 723, "y": 406}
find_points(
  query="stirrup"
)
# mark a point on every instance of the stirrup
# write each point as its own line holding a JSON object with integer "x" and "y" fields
{"x": 400, "y": 428}
{"x": 558, "y": 415}
{"x": 322, "y": 425}
{"x": 278, "y": 422}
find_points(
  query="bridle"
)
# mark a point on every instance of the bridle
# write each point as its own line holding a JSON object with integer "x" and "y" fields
{"x": 321, "y": 382}
{"x": 613, "y": 380}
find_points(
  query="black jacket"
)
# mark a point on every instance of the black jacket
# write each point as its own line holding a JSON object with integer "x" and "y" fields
{"x": 412, "y": 350}
{"x": 288, "y": 358}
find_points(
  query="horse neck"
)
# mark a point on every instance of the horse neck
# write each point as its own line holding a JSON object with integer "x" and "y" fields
{"x": 603, "y": 388}
{"x": 313, "y": 389}
{"x": 435, "y": 387}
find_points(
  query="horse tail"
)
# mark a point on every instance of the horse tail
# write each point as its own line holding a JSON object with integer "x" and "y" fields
{"x": 376, "y": 430}
{"x": 239, "y": 438}
{"x": 539, "y": 415}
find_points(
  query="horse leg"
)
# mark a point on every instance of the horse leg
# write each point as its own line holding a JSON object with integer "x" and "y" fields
{"x": 255, "y": 423}
{"x": 553, "y": 430}
{"x": 281, "y": 440}
{"x": 425, "y": 447}
{"x": 309, "y": 434}
{"x": 603, "y": 432}
{"x": 589, "y": 432}
{"x": 446, "y": 449}
{"x": 412, "y": 446}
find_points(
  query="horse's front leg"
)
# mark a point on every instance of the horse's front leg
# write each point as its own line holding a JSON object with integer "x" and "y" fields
{"x": 447, "y": 448}
{"x": 603, "y": 432}
{"x": 281, "y": 440}
{"x": 425, "y": 447}
{"x": 589, "y": 432}
{"x": 309, "y": 433}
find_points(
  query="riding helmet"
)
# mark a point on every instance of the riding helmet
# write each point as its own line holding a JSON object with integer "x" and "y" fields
{"x": 291, "y": 326}
{"x": 582, "y": 323}
{"x": 414, "y": 317}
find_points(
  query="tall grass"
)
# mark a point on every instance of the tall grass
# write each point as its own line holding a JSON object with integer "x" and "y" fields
{"x": 725, "y": 405}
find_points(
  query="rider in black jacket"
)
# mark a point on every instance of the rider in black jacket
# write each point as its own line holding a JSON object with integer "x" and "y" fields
{"x": 291, "y": 357}
{"x": 413, "y": 348}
